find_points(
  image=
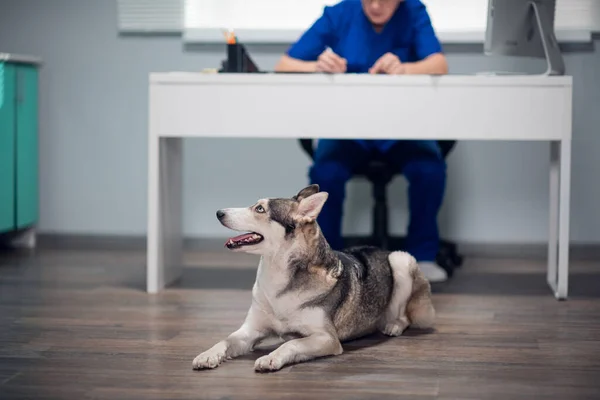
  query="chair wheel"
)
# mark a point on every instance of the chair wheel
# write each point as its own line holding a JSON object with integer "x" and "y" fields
{"x": 449, "y": 251}
{"x": 457, "y": 260}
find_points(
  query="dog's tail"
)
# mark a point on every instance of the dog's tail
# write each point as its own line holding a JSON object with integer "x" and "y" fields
{"x": 419, "y": 310}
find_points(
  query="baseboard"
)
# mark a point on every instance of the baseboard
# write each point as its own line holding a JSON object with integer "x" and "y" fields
{"x": 118, "y": 242}
{"x": 578, "y": 251}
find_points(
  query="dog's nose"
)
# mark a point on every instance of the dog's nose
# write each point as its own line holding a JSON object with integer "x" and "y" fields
{"x": 220, "y": 214}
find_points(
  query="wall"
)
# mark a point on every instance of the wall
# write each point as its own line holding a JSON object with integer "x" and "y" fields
{"x": 93, "y": 87}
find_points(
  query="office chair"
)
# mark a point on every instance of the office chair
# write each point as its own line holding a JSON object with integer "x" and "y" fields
{"x": 380, "y": 174}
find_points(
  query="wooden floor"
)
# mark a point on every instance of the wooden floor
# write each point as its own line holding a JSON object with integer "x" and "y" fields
{"x": 77, "y": 325}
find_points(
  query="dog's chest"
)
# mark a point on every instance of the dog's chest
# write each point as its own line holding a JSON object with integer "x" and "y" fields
{"x": 283, "y": 307}
{"x": 287, "y": 316}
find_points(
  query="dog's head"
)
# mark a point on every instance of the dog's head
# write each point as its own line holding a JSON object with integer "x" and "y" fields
{"x": 272, "y": 224}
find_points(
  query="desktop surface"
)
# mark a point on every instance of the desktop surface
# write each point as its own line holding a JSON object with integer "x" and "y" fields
{"x": 477, "y": 73}
{"x": 477, "y": 78}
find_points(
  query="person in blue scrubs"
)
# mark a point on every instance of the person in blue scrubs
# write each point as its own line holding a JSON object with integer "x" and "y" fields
{"x": 377, "y": 37}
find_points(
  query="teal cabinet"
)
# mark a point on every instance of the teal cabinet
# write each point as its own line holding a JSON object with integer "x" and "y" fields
{"x": 27, "y": 147}
{"x": 18, "y": 144}
{"x": 7, "y": 147}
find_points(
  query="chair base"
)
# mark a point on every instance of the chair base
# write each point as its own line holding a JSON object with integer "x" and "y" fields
{"x": 448, "y": 256}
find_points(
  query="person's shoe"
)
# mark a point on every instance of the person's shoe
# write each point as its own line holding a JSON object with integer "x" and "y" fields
{"x": 433, "y": 272}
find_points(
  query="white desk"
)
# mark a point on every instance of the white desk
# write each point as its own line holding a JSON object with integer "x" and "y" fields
{"x": 187, "y": 105}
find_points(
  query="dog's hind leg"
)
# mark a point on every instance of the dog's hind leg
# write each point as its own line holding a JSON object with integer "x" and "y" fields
{"x": 238, "y": 343}
{"x": 395, "y": 321}
{"x": 419, "y": 310}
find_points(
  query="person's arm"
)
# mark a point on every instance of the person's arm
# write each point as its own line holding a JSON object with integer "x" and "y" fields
{"x": 289, "y": 64}
{"x": 302, "y": 55}
{"x": 435, "y": 64}
{"x": 426, "y": 44}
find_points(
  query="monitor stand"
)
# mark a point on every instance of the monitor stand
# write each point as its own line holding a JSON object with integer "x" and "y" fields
{"x": 554, "y": 58}
{"x": 544, "y": 29}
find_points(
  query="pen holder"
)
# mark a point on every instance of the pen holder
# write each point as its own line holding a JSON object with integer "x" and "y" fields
{"x": 238, "y": 60}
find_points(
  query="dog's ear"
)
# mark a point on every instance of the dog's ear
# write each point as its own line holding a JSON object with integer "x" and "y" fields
{"x": 306, "y": 192}
{"x": 310, "y": 207}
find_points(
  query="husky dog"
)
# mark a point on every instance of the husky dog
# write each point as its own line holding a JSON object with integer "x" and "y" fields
{"x": 312, "y": 296}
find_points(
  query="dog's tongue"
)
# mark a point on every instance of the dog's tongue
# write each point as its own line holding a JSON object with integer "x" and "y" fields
{"x": 246, "y": 238}
{"x": 241, "y": 237}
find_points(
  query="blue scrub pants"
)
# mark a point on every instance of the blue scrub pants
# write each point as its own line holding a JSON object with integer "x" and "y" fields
{"x": 421, "y": 162}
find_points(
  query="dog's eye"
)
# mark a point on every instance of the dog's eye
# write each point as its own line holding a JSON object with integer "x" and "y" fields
{"x": 259, "y": 209}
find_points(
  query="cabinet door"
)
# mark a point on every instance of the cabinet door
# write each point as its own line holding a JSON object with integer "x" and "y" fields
{"x": 27, "y": 146}
{"x": 7, "y": 147}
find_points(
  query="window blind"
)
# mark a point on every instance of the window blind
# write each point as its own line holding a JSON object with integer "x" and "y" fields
{"x": 578, "y": 14}
{"x": 253, "y": 14}
{"x": 471, "y": 15}
{"x": 284, "y": 20}
{"x": 161, "y": 16}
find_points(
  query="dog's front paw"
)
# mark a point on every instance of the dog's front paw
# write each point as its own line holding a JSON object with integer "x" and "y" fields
{"x": 268, "y": 363}
{"x": 207, "y": 360}
{"x": 395, "y": 328}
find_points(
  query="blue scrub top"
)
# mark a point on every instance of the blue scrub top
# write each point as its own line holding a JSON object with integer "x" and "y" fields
{"x": 345, "y": 28}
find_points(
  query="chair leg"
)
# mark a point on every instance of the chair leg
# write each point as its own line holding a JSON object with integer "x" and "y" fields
{"x": 380, "y": 216}
{"x": 449, "y": 251}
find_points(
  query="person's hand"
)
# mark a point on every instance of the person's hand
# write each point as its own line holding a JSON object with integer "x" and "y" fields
{"x": 330, "y": 62}
{"x": 389, "y": 63}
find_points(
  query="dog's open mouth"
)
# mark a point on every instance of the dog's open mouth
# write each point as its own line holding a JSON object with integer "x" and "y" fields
{"x": 247, "y": 239}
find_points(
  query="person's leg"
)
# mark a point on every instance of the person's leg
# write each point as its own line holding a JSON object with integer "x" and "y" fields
{"x": 427, "y": 181}
{"x": 425, "y": 170}
{"x": 334, "y": 163}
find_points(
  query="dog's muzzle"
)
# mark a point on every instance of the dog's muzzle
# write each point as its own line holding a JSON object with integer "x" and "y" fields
{"x": 246, "y": 239}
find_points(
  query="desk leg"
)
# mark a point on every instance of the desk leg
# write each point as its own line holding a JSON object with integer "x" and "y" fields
{"x": 558, "y": 241}
{"x": 164, "y": 251}
{"x": 553, "y": 220}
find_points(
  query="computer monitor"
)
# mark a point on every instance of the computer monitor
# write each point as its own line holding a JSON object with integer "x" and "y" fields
{"x": 524, "y": 28}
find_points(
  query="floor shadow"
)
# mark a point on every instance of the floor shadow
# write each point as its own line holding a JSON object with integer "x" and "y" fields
{"x": 379, "y": 338}
{"x": 581, "y": 285}
{"x": 365, "y": 342}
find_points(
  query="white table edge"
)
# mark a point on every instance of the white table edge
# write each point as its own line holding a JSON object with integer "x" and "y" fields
{"x": 191, "y": 78}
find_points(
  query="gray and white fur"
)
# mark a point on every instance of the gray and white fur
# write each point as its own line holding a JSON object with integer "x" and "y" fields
{"x": 313, "y": 297}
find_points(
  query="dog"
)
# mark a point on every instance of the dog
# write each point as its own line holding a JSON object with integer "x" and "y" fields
{"x": 312, "y": 297}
